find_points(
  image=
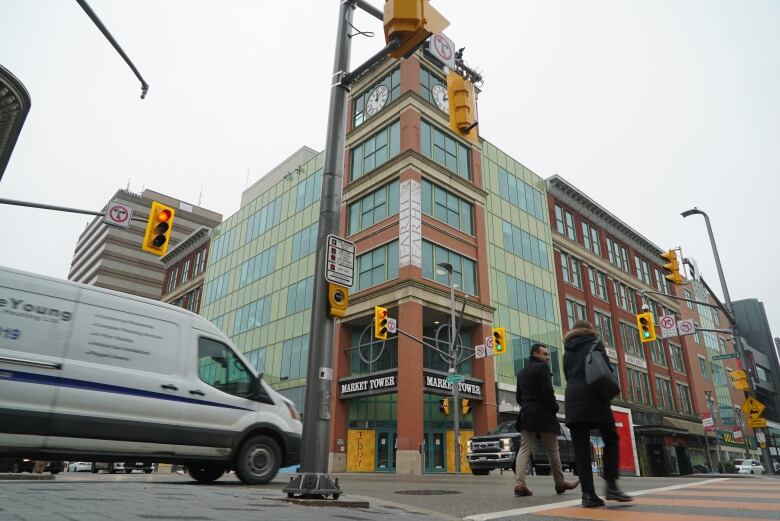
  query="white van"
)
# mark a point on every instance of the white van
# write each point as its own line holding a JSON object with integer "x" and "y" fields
{"x": 92, "y": 374}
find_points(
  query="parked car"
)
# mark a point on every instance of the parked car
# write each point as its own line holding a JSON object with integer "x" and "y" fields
{"x": 122, "y": 466}
{"x": 700, "y": 469}
{"x": 498, "y": 448}
{"x": 749, "y": 466}
{"x": 776, "y": 466}
{"x": 80, "y": 466}
{"x": 19, "y": 465}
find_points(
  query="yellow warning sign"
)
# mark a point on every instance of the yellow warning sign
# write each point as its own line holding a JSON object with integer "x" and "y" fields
{"x": 755, "y": 423}
{"x": 753, "y": 408}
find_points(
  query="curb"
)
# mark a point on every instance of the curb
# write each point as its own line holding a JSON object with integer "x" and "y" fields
{"x": 26, "y": 477}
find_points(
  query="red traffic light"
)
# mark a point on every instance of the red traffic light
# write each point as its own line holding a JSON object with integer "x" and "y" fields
{"x": 164, "y": 215}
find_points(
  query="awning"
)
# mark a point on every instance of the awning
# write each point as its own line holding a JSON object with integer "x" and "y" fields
{"x": 671, "y": 427}
{"x": 694, "y": 428}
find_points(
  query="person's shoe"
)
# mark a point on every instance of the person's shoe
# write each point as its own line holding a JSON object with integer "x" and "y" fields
{"x": 592, "y": 501}
{"x": 567, "y": 485}
{"x": 522, "y": 490}
{"x": 615, "y": 494}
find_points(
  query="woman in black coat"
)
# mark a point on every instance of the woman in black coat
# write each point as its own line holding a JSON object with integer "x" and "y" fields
{"x": 587, "y": 409}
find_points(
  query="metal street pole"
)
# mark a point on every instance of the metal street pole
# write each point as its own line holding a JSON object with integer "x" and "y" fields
{"x": 313, "y": 480}
{"x": 742, "y": 428}
{"x": 751, "y": 392}
{"x": 715, "y": 421}
{"x": 707, "y": 446}
{"x": 454, "y": 355}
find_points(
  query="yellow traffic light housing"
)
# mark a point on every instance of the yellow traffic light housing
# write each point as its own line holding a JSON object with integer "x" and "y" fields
{"x": 444, "y": 406}
{"x": 338, "y": 296}
{"x": 411, "y": 22}
{"x": 465, "y": 407}
{"x": 463, "y": 107}
{"x": 499, "y": 341}
{"x": 673, "y": 267}
{"x": 646, "y": 327}
{"x": 158, "y": 229}
{"x": 380, "y": 323}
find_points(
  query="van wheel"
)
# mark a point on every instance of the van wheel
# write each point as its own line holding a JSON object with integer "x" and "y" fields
{"x": 205, "y": 472}
{"x": 258, "y": 461}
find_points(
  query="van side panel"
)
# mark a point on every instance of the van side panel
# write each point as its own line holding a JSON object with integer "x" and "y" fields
{"x": 123, "y": 385}
{"x": 36, "y": 319}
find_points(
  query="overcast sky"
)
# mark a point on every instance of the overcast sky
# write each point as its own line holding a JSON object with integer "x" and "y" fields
{"x": 678, "y": 100}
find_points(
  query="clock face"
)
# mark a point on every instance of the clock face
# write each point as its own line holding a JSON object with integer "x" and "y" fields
{"x": 377, "y": 99}
{"x": 440, "y": 97}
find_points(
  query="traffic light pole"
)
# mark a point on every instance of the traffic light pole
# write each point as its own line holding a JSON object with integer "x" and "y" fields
{"x": 41, "y": 206}
{"x": 751, "y": 392}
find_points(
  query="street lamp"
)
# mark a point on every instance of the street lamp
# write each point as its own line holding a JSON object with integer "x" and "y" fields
{"x": 453, "y": 356}
{"x": 715, "y": 424}
{"x": 732, "y": 319}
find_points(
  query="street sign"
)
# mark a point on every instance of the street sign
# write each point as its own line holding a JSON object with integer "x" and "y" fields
{"x": 737, "y": 434}
{"x": 760, "y": 438}
{"x": 118, "y": 214}
{"x": 686, "y": 327}
{"x": 489, "y": 345}
{"x": 668, "y": 325}
{"x": 444, "y": 49}
{"x": 479, "y": 351}
{"x": 725, "y": 356}
{"x": 340, "y": 261}
{"x": 454, "y": 378}
{"x": 758, "y": 422}
{"x": 392, "y": 325}
{"x": 708, "y": 424}
{"x": 753, "y": 408}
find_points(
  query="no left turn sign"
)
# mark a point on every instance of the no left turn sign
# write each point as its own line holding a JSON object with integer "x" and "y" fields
{"x": 118, "y": 214}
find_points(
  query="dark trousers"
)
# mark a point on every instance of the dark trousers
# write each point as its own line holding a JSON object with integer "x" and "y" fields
{"x": 580, "y": 437}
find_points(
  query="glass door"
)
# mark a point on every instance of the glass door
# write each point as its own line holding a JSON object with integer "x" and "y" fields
{"x": 385, "y": 451}
{"x": 435, "y": 451}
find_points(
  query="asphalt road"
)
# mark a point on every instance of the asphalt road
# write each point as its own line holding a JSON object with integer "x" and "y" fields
{"x": 165, "y": 496}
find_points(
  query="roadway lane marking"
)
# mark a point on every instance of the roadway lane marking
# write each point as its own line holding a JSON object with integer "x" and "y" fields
{"x": 622, "y": 513}
{"x": 708, "y": 503}
{"x": 723, "y": 493}
{"x": 577, "y": 502}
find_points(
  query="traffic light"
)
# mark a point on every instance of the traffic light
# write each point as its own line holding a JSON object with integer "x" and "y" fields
{"x": 338, "y": 296}
{"x": 411, "y": 22}
{"x": 158, "y": 229}
{"x": 499, "y": 341}
{"x": 465, "y": 407}
{"x": 444, "y": 406}
{"x": 380, "y": 323}
{"x": 673, "y": 267}
{"x": 463, "y": 109}
{"x": 646, "y": 327}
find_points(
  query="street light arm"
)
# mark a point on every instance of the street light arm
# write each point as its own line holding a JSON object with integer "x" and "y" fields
{"x": 694, "y": 211}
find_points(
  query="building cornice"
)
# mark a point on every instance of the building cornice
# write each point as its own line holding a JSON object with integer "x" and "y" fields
{"x": 187, "y": 245}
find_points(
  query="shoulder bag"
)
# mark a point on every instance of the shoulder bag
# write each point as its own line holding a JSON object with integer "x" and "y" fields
{"x": 598, "y": 374}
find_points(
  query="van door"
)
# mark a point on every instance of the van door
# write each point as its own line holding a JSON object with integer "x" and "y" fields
{"x": 219, "y": 384}
{"x": 36, "y": 318}
{"x": 123, "y": 374}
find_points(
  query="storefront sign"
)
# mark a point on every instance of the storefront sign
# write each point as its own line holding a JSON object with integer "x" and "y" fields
{"x": 377, "y": 383}
{"x": 437, "y": 382}
{"x": 636, "y": 361}
{"x": 410, "y": 224}
{"x": 611, "y": 352}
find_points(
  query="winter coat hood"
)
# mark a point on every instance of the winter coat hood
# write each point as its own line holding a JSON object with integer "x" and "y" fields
{"x": 577, "y": 337}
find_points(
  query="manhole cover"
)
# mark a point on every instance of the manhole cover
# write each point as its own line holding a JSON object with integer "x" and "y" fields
{"x": 427, "y": 492}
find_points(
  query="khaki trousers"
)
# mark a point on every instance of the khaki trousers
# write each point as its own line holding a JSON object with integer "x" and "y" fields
{"x": 550, "y": 440}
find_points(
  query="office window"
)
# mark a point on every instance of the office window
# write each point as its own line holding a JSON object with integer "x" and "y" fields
{"x": 444, "y": 149}
{"x": 428, "y": 80}
{"x": 377, "y": 266}
{"x": 618, "y": 255}
{"x": 677, "y": 358}
{"x": 376, "y": 150}
{"x": 638, "y": 387}
{"x": 309, "y": 191}
{"x": 258, "y": 266}
{"x": 529, "y": 299}
{"x": 684, "y": 398}
{"x": 661, "y": 283}
{"x": 304, "y": 242}
{"x": 393, "y": 84}
{"x": 764, "y": 375}
{"x": 631, "y": 343}
{"x": 299, "y": 295}
{"x": 705, "y": 375}
{"x": 264, "y": 219}
{"x": 463, "y": 269}
{"x": 689, "y": 297}
{"x": 663, "y": 393}
{"x": 525, "y": 245}
{"x": 590, "y": 238}
{"x": 521, "y": 194}
{"x": 374, "y": 207}
{"x": 696, "y": 337}
{"x": 721, "y": 346}
{"x": 215, "y": 289}
{"x": 598, "y": 284}
{"x": 603, "y": 325}
{"x": 252, "y": 315}
{"x": 295, "y": 357}
{"x": 658, "y": 353}
{"x": 564, "y": 223}
{"x": 624, "y": 296}
{"x": 571, "y": 270}
{"x": 172, "y": 276}
{"x": 222, "y": 245}
{"x": 447, "y": 207}
{"x": 642, "y": 270}
{"x": 574, "y": 312}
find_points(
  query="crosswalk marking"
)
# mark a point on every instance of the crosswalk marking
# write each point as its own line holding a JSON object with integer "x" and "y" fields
{"x": 625, "y": 513}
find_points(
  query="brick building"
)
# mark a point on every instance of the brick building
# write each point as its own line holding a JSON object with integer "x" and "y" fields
{"x": 185, "y": 271}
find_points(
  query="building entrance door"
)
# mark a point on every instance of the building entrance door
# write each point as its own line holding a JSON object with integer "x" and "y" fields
{"x": 385, "y": 451}
{"x": 435, "y": 451}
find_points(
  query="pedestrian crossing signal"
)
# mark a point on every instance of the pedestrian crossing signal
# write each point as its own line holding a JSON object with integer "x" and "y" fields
{"x": 444, "y": 406}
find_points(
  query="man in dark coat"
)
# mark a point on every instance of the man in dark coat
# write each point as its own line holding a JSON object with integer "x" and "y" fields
{"x": 587, "y": 409}
{"x": 536, "y": 399}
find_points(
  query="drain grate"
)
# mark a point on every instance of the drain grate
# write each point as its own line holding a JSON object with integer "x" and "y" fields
{"x": 427, "y": 492}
